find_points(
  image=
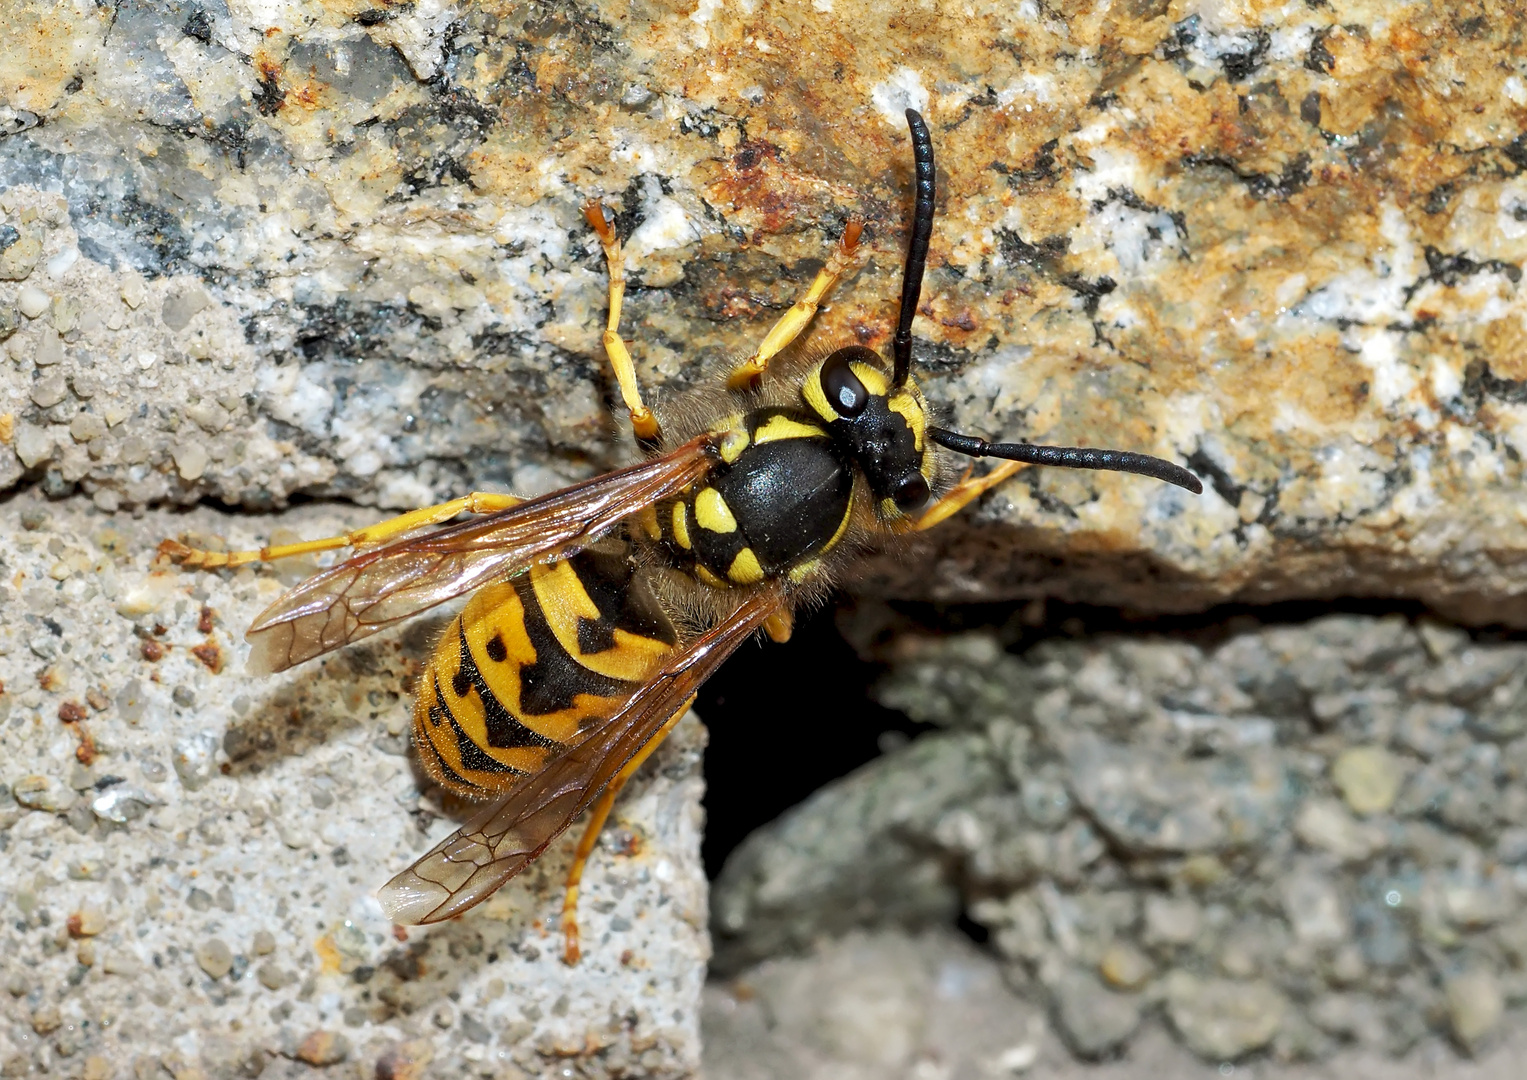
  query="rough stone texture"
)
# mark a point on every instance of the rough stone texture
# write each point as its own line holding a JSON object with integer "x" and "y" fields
{"x": 805, "y": 1018}
{"x": 337, "y": 249}
{"x": 190, "y": 854}
{"x": 1187, "y": 826}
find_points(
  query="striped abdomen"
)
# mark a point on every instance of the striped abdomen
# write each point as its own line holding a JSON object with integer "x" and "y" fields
{"x": 530, "y": 664}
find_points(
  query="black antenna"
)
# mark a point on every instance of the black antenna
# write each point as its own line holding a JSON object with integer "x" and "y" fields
{"x": 1070, "y": 457}
{"x": 917, "y": 250}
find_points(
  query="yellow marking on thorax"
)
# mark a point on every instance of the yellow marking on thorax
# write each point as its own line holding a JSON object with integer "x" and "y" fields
{"x": 712, "y": 513}
{"x": 783, "y": 427}
{"x": 564, "y": 600}
{"x": 704, "y": 573}
{"x": 745, "y": 569}
{"x": 733, "y": 443}
{"x": 681, "y": 525}
{"x": 801, "y": 571}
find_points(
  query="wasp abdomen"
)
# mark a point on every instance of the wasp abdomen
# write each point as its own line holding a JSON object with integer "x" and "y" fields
{"x": 531, "y": 663}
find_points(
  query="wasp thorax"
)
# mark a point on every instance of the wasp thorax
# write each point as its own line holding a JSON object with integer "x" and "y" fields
{"x": 880, "y": 427}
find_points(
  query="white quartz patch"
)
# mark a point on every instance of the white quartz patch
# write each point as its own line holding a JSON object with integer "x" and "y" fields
{"x": 902, "y": 91}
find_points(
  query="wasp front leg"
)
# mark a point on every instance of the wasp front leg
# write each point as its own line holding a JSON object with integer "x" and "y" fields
{"x": 747, "y": 374}
{"x": 643, "y": 423}
{"x": 968, "y": 490}
{"x": 572, "y": 951}
{"x": 479, "y": 502}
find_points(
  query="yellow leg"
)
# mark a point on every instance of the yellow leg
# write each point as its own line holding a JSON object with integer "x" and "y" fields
{"x": 571, "y": 952}
{"x": 479, "y": 502}
{"x": 967, "y": 491}
{"x": 643, "y": 423}
{"x": 792, "y": 322}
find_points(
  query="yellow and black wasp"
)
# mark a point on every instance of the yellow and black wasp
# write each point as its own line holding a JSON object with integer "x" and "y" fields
{"x": 597, "y": 611}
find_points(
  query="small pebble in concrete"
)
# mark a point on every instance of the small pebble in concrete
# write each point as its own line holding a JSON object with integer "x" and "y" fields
{"x": 214, "y": 957}
{"x": 1368, "y": 778}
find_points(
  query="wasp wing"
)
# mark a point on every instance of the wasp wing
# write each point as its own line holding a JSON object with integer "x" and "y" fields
{"x": 375, "y": 589}
{"x": 465, "y": 868}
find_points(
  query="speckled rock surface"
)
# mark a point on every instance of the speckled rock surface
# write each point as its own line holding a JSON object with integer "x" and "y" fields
{"x": 255, "y": 251}
{"x": 888, "y": 1006}
{"x": 1280, "y": 840}
{"x": 190, "y": 854}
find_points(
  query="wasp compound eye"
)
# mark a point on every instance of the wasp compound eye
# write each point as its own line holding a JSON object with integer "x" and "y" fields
{"x": 845, "y": 393}
{"x": 910, "y": 492}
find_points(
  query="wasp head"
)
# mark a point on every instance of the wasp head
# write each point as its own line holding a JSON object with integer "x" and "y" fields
{"x": 881, "y": 428}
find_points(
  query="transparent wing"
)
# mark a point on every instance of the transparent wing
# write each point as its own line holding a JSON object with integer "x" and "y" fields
{"x": 375, "y": 589}
{"x": 465, "y": 868}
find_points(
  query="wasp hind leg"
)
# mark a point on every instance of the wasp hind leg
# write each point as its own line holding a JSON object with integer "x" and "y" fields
{"x": 572, "y": 952}
{"x": 643, "y": 424}
{"x": 479, "y": 502}
{"x": 968, "y": 490}
{"x": 748, "y": 373}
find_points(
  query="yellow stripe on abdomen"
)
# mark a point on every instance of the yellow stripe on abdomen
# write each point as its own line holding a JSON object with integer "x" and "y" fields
{"x": 529, "y": 666}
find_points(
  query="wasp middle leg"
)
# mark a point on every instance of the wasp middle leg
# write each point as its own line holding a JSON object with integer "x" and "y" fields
{"x": 791, "y": 323}
{"x": 643, "y": 424}
{"x": 598, "y": 815}
{"x": 479, "y": 502}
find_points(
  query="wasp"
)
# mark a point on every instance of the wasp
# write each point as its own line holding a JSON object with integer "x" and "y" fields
{"x": 596, "y": 612}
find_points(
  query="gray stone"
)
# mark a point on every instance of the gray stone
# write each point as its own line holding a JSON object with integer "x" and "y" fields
{"x": 195, "y": 759}
{"x": 19, "y": 257}
{"x": 1221, "y": 1019}
{"x": 851, "y": 854}
{"x": 1093, "y": 1019}
{"x": 1313, "y": 905}
{"x": 49, "y": 390}
{"x": 214, "y": 957}
{"x": 1172, "y": 920}
{"x": 1475, "y": 1005}
{"x": 181, "y": 303}
{"x": 43, "y": 793}
{"x": 1151, "y": 801}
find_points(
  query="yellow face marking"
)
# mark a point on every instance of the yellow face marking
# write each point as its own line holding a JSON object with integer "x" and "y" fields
{"x": 782, "y": 427}
{"x": 889, "y": 510}
{"x": 681, "y": 525}
{"x": 712, "y": 513}
{"x": 703, "y": 573}
{"x": 745, "y": 569}
{"x": 912, "y": 412}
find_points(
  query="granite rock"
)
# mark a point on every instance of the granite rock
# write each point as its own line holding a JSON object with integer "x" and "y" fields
{"x": 319, "y": 250}
{"x": 189, "y": 877}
